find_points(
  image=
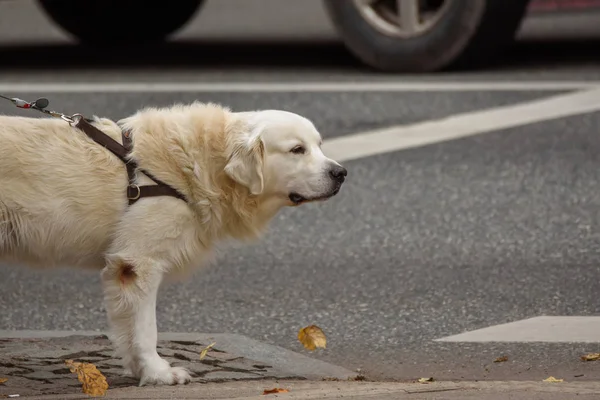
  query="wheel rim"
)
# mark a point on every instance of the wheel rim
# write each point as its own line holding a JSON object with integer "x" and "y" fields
{"x": 402, "y": 18}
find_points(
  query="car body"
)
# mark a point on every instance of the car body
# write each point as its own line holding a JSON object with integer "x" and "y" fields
{"x": 387, "y": 35}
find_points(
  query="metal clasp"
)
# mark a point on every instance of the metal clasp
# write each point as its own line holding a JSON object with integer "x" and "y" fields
{"x": 73, "y": 119}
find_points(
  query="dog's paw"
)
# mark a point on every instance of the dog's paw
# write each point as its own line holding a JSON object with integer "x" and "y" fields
{"x": 165, "y": 376}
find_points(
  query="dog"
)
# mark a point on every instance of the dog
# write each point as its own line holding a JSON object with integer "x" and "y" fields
{"x": 63, "y": 202}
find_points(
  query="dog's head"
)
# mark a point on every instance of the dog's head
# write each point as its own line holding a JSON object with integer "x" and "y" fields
{"x": 279, "y": 154}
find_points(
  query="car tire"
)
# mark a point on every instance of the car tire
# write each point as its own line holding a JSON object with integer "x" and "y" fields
{"x": 116, "y": 22}
{"x": 467, "y": 33}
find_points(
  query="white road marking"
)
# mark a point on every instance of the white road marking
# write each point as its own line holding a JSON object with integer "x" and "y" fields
{"x": 396, "y": 138}
{"x": 390, "y": 139}
{"x": 272, "y": 87}
{"x": 539, "y": 329}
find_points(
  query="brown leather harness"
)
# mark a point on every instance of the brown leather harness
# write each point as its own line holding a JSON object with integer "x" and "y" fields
{"x": 134, "y": 191}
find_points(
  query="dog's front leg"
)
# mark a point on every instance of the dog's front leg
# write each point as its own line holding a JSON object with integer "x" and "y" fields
{"x": 130, "y": 290}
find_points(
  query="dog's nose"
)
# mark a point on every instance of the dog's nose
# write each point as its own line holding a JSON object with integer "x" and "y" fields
{"x": 338, "y": 173}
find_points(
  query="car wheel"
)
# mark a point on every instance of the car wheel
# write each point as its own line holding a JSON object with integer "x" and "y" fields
{"x": 425, "y": 35}
{"x": 120, "y": 21}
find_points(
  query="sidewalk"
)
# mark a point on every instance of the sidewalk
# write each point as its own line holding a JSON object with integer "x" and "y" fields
{"x": 236, "y": 368}
{"x": 34, "y": 362}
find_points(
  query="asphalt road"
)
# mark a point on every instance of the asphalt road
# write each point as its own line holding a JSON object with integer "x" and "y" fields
{"x": 420, "y": 243}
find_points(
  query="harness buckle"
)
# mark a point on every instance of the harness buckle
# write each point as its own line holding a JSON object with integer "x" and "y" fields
{"x": 133, "y": 192}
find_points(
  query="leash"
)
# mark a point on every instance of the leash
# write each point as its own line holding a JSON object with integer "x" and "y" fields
{"x": 133, "y": 190}
{"x": 41, "y": 105}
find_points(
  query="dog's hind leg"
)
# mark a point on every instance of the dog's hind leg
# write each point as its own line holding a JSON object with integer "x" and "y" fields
{"x": 130, "y": 290}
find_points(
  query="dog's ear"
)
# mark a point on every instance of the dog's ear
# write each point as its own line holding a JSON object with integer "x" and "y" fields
{"x": 246, "y": 163}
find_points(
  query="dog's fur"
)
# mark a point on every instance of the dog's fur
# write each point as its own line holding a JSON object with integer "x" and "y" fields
{"x": 63, "y": 202}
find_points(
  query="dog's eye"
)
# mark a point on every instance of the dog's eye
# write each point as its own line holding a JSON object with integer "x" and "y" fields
{"x": 298, "y": 150}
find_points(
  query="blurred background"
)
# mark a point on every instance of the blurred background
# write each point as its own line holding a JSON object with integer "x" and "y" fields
{"x": 423, "y": 242}
{"x": 441, "y": 35}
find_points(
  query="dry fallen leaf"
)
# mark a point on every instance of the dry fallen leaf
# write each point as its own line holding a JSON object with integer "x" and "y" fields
{"x": 204, "y": 351}
{"x": 93, "y": 382}
{"x": 552, "y": 379}
{"x": 591, "y": 357}
{"x": 501, "y": 359}
{"x": 312, "y": 337}
{"x": 275, "y": 390}
{"x": 2, "y": 380}
{"x": 425, "y": 380}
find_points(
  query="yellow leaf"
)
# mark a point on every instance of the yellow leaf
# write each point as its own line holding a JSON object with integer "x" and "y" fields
{"x": 425, "y": 380}
{"x": 591, "y": 357}
{"x": 552, "y": 379}
{"x": 275, "y": 390}
{"x": 93, "y": 382}
{"x": 312, "y": 337}
{"x": 2, "y": 380}
{"x": 204, "y": 351}
{"x": 501, "y": 359}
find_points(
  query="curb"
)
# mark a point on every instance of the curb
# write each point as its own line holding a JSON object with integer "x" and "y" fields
{"x": 311, "y": 390}
{"x": 284, "y": 360}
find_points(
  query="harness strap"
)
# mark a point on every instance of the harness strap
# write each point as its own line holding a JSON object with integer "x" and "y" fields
{"x": 102, "y": 139}
{"x": 134, "y": 191}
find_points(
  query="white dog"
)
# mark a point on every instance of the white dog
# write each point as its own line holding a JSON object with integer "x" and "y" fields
{"x": 63, "y": 201}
